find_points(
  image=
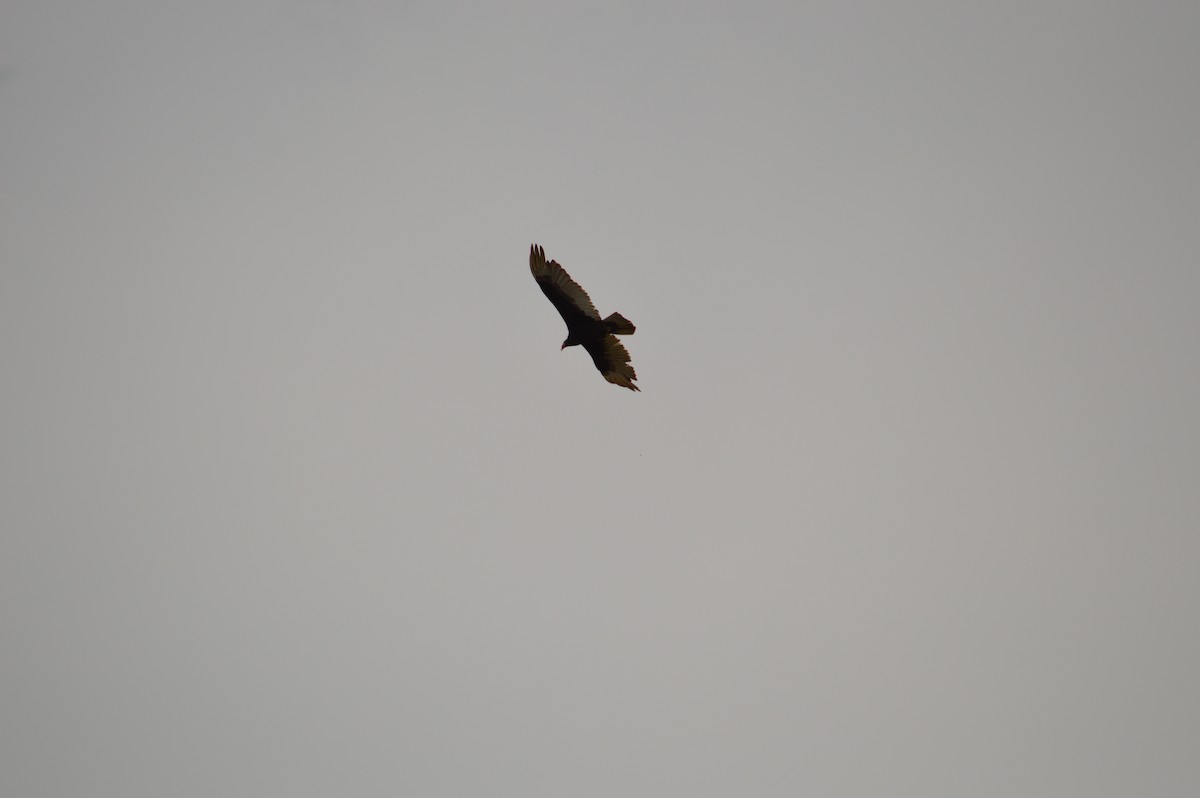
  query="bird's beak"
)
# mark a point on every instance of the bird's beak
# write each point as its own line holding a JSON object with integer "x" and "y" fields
{"x": 561, "y": 348}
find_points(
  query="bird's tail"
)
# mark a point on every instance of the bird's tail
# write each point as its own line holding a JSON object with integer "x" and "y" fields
{"x": 619, "y": 325}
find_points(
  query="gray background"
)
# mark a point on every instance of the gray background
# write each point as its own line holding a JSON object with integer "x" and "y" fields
{"x": 299, "y": 496}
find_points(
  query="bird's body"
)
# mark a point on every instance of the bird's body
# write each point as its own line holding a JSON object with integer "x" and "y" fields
{"x": 584, "y": 326}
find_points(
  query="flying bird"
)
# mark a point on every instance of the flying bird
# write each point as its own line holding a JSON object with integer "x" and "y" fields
{"x": 584, "y": 326}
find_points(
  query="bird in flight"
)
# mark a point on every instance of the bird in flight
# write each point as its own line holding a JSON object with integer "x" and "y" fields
{"x": 584, "y": 326}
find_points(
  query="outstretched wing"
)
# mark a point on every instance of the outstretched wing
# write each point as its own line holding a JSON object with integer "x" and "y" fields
{"x": 572, "y": 302}
{"x": 612, "y": 359}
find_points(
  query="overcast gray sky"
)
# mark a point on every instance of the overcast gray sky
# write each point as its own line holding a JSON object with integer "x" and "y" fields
{"x": 299, "y": 497}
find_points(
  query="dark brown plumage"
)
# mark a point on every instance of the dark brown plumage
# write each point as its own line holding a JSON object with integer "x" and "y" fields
{"x": 584, "y": 326}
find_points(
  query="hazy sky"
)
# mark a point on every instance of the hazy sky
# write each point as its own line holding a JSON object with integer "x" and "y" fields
{"x": 299, "y": 497}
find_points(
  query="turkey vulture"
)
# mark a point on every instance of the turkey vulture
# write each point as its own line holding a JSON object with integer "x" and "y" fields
{"x": 584, "y": 326}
